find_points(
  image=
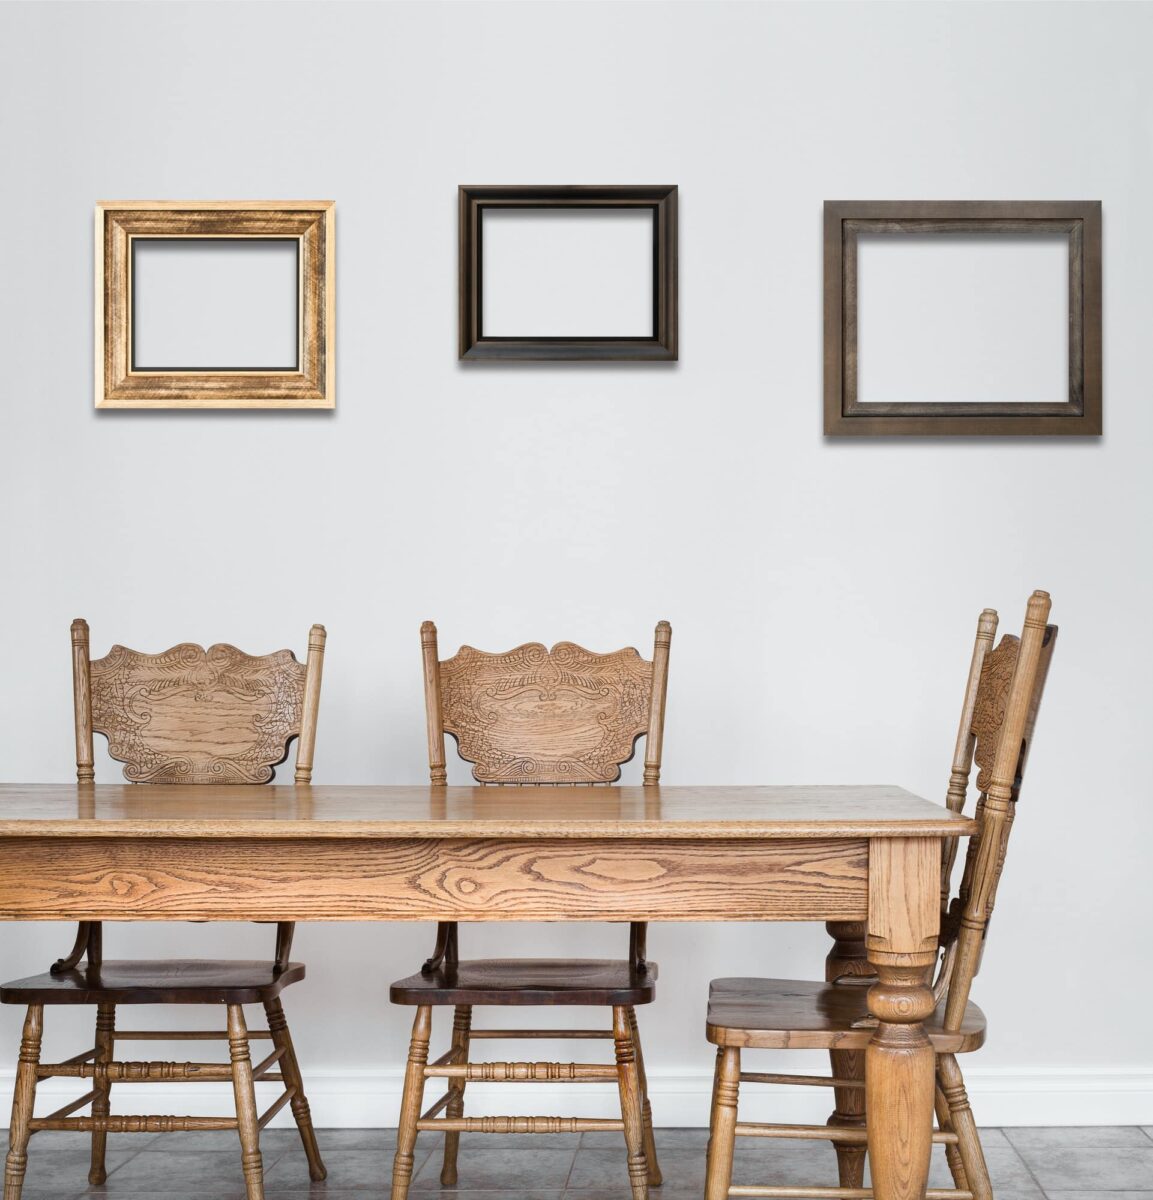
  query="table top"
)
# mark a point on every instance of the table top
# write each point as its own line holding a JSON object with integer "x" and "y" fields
{"x": 423, "y": 811}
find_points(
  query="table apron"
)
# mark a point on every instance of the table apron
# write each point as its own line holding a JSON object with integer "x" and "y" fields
{"x": 425, "y": 879}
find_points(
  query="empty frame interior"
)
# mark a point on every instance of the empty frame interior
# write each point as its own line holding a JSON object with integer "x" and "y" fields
{"x": 966, "y": 314}
{"x": 215, "y": 304}
{"x": 568, "y": 272}
{"x": 962, "y": 318}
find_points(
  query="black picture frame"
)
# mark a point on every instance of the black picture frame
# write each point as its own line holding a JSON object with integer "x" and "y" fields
{"x": 845, "y": 220}
{"x": 475, "y": 346}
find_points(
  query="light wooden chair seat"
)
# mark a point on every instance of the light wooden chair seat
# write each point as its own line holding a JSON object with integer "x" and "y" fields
{"x": 528, "y": 981}
{"x": 534, "y": 717}
{"x": 186, "y": 715}
{"x": 794, "y": 1014}
{"x": 1002, "y": 696}
{"x": 132, "y": 981}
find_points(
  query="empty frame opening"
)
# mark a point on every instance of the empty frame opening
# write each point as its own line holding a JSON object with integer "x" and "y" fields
{"x": 963, "y": 318}
{"x": 215, "y": 304}
{"x": 568, "y": 272}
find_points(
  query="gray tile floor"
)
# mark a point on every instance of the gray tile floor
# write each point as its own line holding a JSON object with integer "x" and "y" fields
{"x": 1098, "y": 1163}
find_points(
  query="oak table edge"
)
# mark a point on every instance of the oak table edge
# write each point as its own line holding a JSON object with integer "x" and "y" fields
{"x": 349, "y": 812}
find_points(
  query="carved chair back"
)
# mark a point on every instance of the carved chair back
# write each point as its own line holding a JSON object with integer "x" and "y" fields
{"x": 539, "y": 716}
{"x": 190, "y": 715}
{"x": 1001, "y": 703}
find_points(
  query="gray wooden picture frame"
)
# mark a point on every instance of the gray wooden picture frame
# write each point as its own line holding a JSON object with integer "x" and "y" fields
{"x": 847, "y": 415}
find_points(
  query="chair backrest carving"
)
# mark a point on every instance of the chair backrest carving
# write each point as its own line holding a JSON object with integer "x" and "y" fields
{"x": 1000, "y": 714}
{"x": 190, "y": 715}
{"x": 534, "y": 715}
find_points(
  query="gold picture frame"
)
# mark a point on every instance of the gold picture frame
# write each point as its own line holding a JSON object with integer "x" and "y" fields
{"x": 305, "y": 227}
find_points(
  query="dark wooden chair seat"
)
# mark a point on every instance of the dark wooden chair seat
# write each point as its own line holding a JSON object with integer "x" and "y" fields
{"x": 176, "y": 981}
{"x": 524, "y": 981}
{"x": 794, "y": 1014}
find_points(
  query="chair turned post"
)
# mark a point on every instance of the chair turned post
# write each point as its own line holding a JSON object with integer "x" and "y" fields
{"x": 82, "y": 701}
{"x": 23, "y": 1101}
{"x": 962, "y": 1122}
{"x": 654, "y": 739}
{"x": 655, "y": 1178}
{"x": 963, "y": 749}
{"x": 290, "y": 1069}
{"x": 945, "y": 1124}
{"x": 244, "y": 1091}
{"x": 723, "y": 1123}
{"x": 434, "y": 715}
{"x": 101, "y": 1103}
{"x": 632, "y": 1106}
{"x": 461, "y": 1026}
{"x": 410, "y": 1103}
{"x": 310, "y": 705}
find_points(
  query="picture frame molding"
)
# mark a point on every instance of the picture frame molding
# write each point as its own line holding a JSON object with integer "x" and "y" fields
{"x": 845, "y": 415}
{"x": 312, "y": 384}
{"x": 474, "y": 346}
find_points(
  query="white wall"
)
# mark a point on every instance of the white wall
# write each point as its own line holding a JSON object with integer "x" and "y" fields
{"x": 822, "y": 593}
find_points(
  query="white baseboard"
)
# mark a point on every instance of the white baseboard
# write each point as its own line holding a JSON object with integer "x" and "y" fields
{"x": 371, "y": 1099}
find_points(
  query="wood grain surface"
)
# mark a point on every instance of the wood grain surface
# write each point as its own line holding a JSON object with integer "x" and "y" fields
{"x": 195, "y": 716}
{"x": 793, "y": 1014}
{"x": 532, "y": 715}
{"x": 423, "y": 879}
{"x": 86, "y": 811}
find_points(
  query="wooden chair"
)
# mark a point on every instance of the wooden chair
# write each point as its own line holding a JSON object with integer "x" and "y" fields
{"x": 185, "y": 716}
{"x": 534, "y": 717}
{"x": 1001, "y": 701}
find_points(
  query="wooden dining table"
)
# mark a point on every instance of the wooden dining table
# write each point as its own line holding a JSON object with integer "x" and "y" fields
{"x": 871, "y": 854}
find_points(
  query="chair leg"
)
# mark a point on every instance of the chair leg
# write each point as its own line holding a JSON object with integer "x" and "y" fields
{"x": 723, "y": 1123}
{"x": 23, "y": 1100}
{"x": 952, "y": 1153}
{"x": 632, "y": 1106}
{"x": 290, "y": 1069}
{"x": 105, "y": 1041}
{"x": 849, "y": 1114}
{"x": 461, "y": 1025}
{"x": 655, "y": 1177}
{"x": 245, "y": 1092}
{"x": 411, "y": 1102}
{"x": 965, "y": 1127}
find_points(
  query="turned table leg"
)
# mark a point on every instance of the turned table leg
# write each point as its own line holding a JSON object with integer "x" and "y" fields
{"x": 847, "y": 960}
{"x": 900, "y": 1080}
